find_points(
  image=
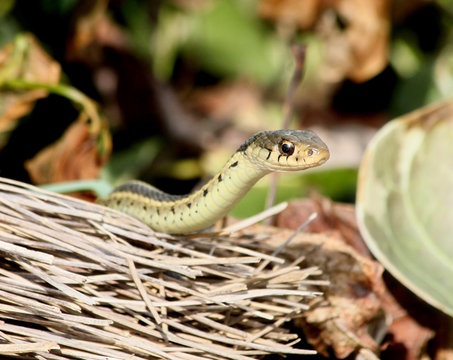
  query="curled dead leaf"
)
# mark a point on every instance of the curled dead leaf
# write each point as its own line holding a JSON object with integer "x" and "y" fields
{"x": 25, "y": 59}
{"x": 334, "y": 219}
{"x": 405, "y": 334}
{"x": 340, "y": 321}
{"x": 364, "y": 41}
{"x": 93, "y": 29}
{"x": 355, "y": 33}
{"x": 76, "y": 155}
{"x": 357, "y": 310}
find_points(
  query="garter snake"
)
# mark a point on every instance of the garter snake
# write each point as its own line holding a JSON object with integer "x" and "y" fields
{"x": 264, "y": 152}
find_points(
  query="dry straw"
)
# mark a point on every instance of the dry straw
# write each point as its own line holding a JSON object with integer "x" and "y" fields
{"x": 79, "y": 280}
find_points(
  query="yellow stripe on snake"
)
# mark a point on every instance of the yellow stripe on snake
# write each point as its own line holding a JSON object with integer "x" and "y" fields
{"x": 264, "y": 152}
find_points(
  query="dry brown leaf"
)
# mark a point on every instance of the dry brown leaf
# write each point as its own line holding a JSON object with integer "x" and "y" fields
{"x": 339, "y": 323}
{"x": 365, "y": 39}
{"x": 334, "y": 219}
{"x": 75, "y": 156}
{"x": 92, "y": 29}
{"x": 405, "y": 333}
{"x": 352, "y": 305}
{"x": 23, "y": 59}
{"x": 35, "y": 65}
{"x": 358, "y": 50}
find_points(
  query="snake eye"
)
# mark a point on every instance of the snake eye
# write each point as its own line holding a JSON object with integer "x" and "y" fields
{"x": 286, "y": 147}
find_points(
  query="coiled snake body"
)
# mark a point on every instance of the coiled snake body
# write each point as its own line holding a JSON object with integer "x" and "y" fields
{"x": 264, "y": 152}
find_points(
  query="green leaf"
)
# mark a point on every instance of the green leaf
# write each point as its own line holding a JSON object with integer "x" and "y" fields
{"x": 405, "y": 198}
{"x": 229, "y": 40}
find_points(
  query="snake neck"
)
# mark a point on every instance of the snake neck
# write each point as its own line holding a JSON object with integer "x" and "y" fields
{"x": 214, "y": 200}
{"x": 193, "y": 212}
{"x": 223, "y": 191}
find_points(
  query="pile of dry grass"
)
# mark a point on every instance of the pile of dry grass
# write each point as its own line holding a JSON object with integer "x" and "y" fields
{"x": 79, "y": 280}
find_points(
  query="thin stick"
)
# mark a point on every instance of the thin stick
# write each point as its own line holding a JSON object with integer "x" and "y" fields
{"x": 299, "y": 52}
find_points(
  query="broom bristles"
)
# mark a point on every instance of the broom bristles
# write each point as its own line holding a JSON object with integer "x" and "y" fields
{"x": 83, "y": 281}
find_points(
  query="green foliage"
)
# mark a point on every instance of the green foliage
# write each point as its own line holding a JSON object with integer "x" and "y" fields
{"x": 229, "y": 40}
{"x": 5, "y": 7}
{"x": 225, "y": 39}
{"x": 139, "y": 26}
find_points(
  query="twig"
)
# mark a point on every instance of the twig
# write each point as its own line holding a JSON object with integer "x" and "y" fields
{"x": 299, "y": 52}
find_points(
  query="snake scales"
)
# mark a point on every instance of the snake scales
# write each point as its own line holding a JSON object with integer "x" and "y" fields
{"x": 264, "y": 152}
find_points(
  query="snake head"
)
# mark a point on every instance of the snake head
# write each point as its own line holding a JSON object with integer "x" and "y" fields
{"x": 286, "y": 150}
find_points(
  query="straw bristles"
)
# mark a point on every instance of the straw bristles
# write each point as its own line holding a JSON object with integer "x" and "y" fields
{"x": 79, "y": 280}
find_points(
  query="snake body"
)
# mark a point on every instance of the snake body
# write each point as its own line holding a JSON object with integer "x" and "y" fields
{"x": 264, "y": 152}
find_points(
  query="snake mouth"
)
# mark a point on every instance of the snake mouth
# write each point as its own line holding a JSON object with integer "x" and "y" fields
{"x": 319, "y": 156}
{"x": 324, "y": 156}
